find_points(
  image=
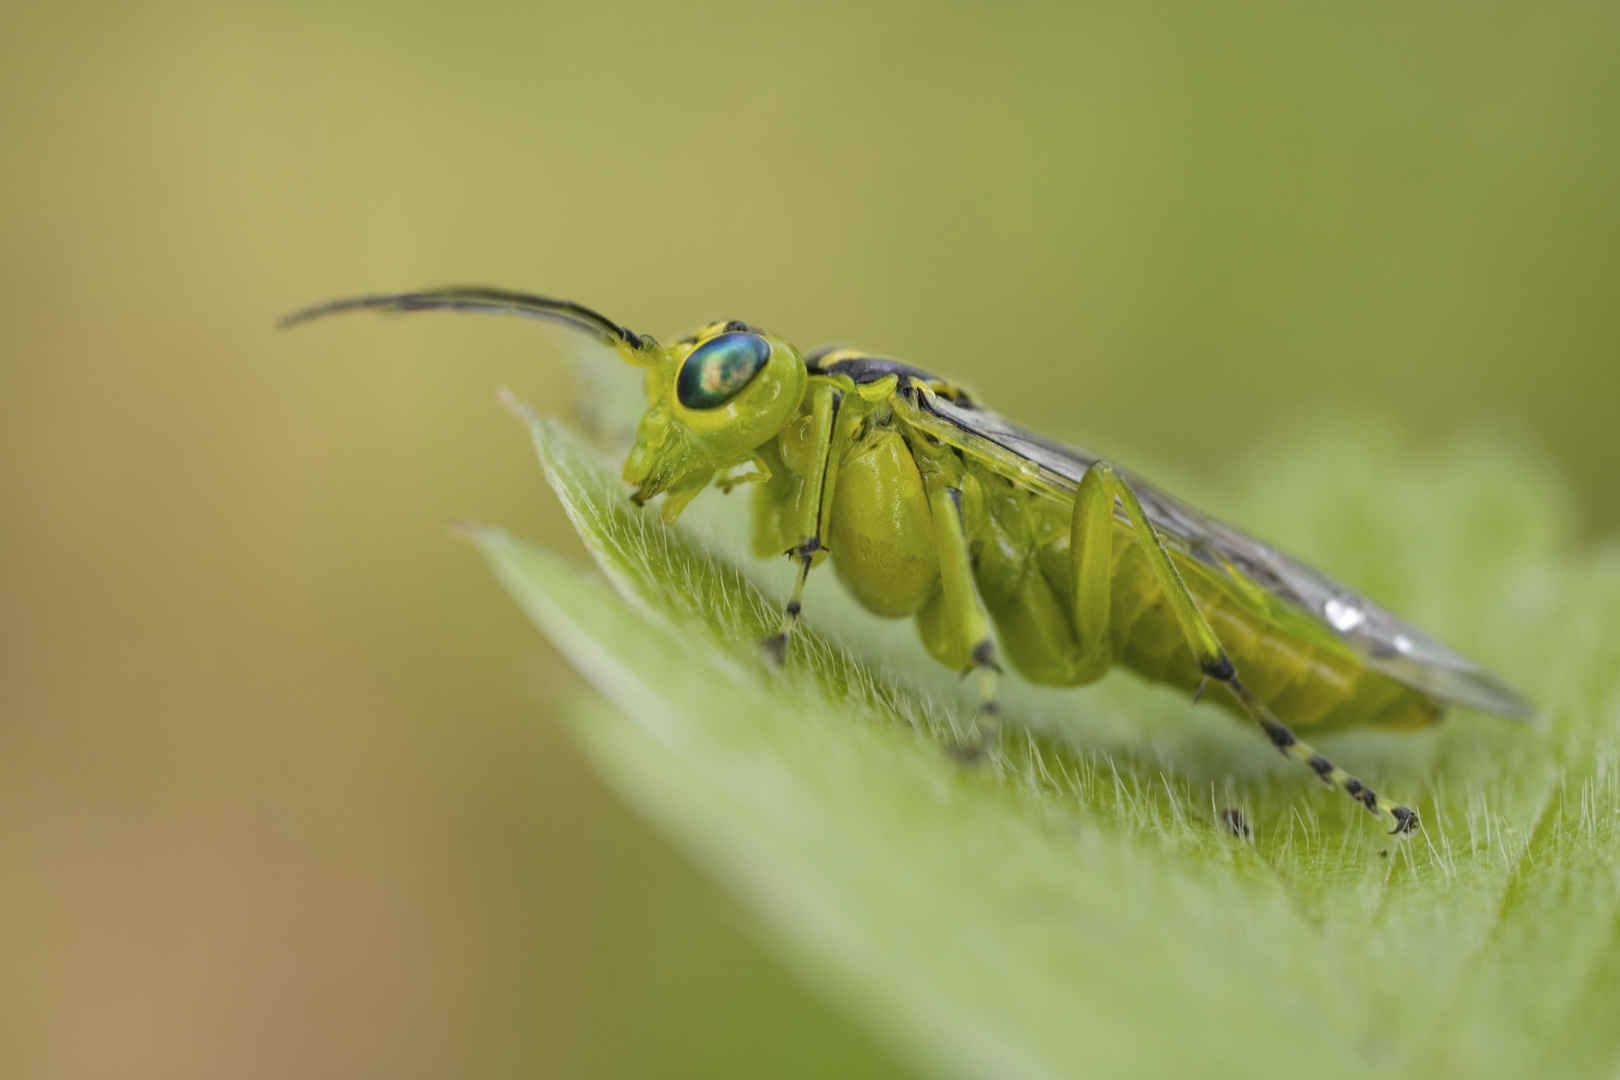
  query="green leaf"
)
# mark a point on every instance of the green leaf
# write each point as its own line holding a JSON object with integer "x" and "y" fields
{"x": 1075, "y": 905}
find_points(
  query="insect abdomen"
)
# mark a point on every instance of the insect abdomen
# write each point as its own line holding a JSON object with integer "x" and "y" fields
{"x": 1025, "y": 575}
{"x": 1306, "y": 681}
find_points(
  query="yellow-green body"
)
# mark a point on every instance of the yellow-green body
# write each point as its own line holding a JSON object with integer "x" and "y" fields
{"x": 933, "y": 509}
{"x": 879, "y": 537}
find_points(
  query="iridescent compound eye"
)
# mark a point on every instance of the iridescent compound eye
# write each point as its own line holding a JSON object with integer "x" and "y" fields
{"x": 719, "y": 368}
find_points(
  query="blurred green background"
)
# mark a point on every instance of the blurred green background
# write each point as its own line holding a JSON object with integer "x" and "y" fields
{"x": 282, "y": 788}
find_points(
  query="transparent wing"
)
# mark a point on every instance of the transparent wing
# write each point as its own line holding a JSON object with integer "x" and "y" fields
{"x": 1388, "y": 645}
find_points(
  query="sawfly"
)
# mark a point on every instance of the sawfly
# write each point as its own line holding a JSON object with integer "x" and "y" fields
{"x": 1000, "y": 544}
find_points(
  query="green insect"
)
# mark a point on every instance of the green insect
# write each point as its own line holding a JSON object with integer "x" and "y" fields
{"x": 932, "y": 507}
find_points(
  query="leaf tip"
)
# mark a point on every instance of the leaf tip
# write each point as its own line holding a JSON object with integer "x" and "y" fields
{"x": 481, "y": 536}
{"x": 516, "y": 406}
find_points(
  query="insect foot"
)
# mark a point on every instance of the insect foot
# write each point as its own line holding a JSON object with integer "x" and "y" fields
{"x": 970, "y": 752}
{"x": 1406, "y": 821}
{"x": 774, "y": 649}
{"x": 1236, "y": 823}
{"x": 986, "y": 736}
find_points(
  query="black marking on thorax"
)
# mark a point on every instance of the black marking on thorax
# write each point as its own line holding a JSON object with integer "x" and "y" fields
{"x": 869, "y": 369}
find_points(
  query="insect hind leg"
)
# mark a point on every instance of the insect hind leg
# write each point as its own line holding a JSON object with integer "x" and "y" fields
{"x": 1206, "y": 647}
{"x": 1290, "y": 745}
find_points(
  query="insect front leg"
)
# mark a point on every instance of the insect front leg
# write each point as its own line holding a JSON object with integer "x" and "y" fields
{"x": 809, "y": 446}
{"x": 759, "y": 472}
{"x": 1092, "y": 547}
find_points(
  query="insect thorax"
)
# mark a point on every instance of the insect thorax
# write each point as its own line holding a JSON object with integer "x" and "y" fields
{"x": 863, "y": 368}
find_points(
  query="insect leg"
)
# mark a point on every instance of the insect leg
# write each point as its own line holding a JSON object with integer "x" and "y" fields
{"x": 775, "y": 646}
{"x": 1206, "y": 647}
{"x": 824, "y": 400}
{"x": 964, "y": 606}
{"x": 1091, "y": 557}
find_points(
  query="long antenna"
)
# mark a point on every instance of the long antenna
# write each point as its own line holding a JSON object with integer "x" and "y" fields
{"x": 485, "y": 300}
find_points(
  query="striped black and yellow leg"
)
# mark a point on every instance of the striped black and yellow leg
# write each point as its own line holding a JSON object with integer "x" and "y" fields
{"x": 775, "y": 646}
{"x": 964, "y": 609}
{"x": 1092, "y": 555}
{"x": 825, "y": 441}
